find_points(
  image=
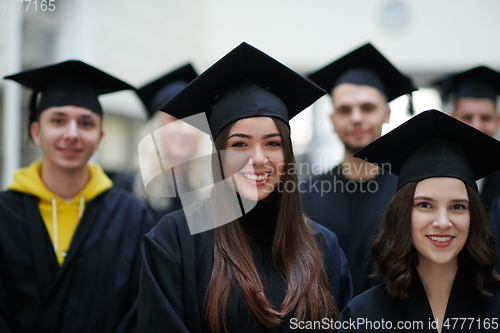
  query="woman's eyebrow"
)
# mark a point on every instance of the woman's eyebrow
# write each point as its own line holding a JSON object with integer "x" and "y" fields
{"x": 246, "y": 136}
{"x": 460, "y": 200}
{"x": 267, "y": 136}
{"x": 240, "y": 135}
{"x": 423, "y": 197}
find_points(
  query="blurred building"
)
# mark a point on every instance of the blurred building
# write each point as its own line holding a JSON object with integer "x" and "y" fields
{"x": 137, "y": 40}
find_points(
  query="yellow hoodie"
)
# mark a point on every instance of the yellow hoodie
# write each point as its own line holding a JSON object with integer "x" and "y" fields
{"x": 58, "y": 214}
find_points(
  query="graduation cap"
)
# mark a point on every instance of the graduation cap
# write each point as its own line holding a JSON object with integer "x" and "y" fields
{"x": 159, "y": 91}
{"x": 365, "y": 66}
{"x": 433, "y": 144}
{"x": 72, "y": 82}
{"x": 479, "y": 82}
{"x": 244, "y": 83}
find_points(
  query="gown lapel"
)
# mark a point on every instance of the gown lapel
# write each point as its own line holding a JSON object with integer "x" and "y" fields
{"x": 461, "y": 304}
{"x": 81, "y": 234}
{"x": 42, "y": 251}
{"x": 49, "y": 273}
{"x": 417, "y": 308}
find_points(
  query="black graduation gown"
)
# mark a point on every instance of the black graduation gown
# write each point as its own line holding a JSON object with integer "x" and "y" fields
{"x": 352, "y": 210}
{"x": 177, "y": 267}
{"x": 495, "y": 226}
{"x": 96, "y": 288}
{"x": 125, "y": 181}
{"x": 415, "y": 311}
{"x": 491, "y": 190}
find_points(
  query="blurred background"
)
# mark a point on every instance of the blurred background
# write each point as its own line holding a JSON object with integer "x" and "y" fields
{"x": 139, "y": 40}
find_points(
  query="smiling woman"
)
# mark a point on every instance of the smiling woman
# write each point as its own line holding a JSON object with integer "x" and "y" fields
{"x": 440, "y": 221}
{"x": 434, "y": 249}
{"x": 267, "y": 263}
{"x": 261, "y": 139}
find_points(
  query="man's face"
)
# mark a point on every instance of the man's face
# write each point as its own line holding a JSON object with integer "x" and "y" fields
{"x": 359, "y": 112}
{"x": 68, "y": 136}
{"x": 179, "y": 140}
{"x": 479, "y": 113}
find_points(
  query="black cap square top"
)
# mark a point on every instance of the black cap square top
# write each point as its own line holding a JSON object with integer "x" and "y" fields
{"x": 72, "y": 82}
{"x": 245, "y": 83}
{"x": 364, "y": 66}
{"x": 433, "y": 144}
{"x": 478, "y": 82}
{"x": 159, "y": 91}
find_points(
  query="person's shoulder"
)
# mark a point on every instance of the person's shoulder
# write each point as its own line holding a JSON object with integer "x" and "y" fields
{"x": 10, "y": 200}
{"x": 326, "y": 175}
{"x": 124, "y": 208}
{"x": 375, "y": 292}
{"x": 167, "y": 232}
{"x": 496, "y": 204}
{"x": 10, "y": 195}
{"x": 327, "y": 238}
{"x": 14, "y": 207}
{"x": 324, "y": 232}
{"x": 123, "y": 197}
{"x": 492, "y": 302}
{"x": 314, "y": 188}
{"x": 495, "y": 176}
{"x": 174, "y": 226}
{"x": 175, "y": 221}
{"x": 372, "y": 300}
{"x": 124, "y": 181}
{"x": 173, "y": 235}
{"x": 384, "y": 176}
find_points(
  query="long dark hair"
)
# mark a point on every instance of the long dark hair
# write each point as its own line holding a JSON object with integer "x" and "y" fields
{"x": 295, "y": 253}
{"x": 395, "y": 257}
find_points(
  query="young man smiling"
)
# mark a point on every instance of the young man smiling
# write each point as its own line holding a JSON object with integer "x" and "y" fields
{"x": 473, "y": 98}
{"x": 361, "y": 84}
{"x": 69, "y": 242}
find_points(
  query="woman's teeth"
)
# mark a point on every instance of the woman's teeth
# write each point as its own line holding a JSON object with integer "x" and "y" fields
{"x": 255, "y": 177}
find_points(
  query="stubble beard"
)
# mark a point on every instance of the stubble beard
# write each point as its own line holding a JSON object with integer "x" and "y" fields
{"x": 351, "y": 149}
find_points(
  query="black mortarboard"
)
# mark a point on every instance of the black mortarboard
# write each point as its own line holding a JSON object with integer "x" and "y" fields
{"x": 479, "y": 82}
{"x": 159, "y": 91}
{"x": 72, "y": 82}
{"x": 245, "y": 83}
{"x": 433, "y": 144}
{"x": 365, "y": 66}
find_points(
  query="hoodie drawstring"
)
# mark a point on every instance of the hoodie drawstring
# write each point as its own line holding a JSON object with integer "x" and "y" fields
{"x": 82, "y": 206}
{"x": 55, "y": 228}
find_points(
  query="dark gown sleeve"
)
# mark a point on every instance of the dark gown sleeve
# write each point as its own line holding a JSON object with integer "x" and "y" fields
{"x": 168, "y": 300}
{"x": 161, "y": 308}
{"x": 5, "y": 213}
{"x": 336, "y": 266}
{"x": 372, "y": 305}
{"x": 357, "y": 308}
{"x": 129, "y": 323}
{"x": 124, "y": 181}
{"x": 346, "y": 288}
{"x": 96, "y": 288}
{"x": 375, "y": 310}
{"x": 3, "y": 305}
{"x": 495, "y": 226}
{"x": 345, "y": 317}
{"x": 491, "y": 190}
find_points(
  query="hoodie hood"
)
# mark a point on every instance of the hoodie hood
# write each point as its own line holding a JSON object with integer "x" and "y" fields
{"x": 61, "y": 217}
{"x": 27, "y": 180}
